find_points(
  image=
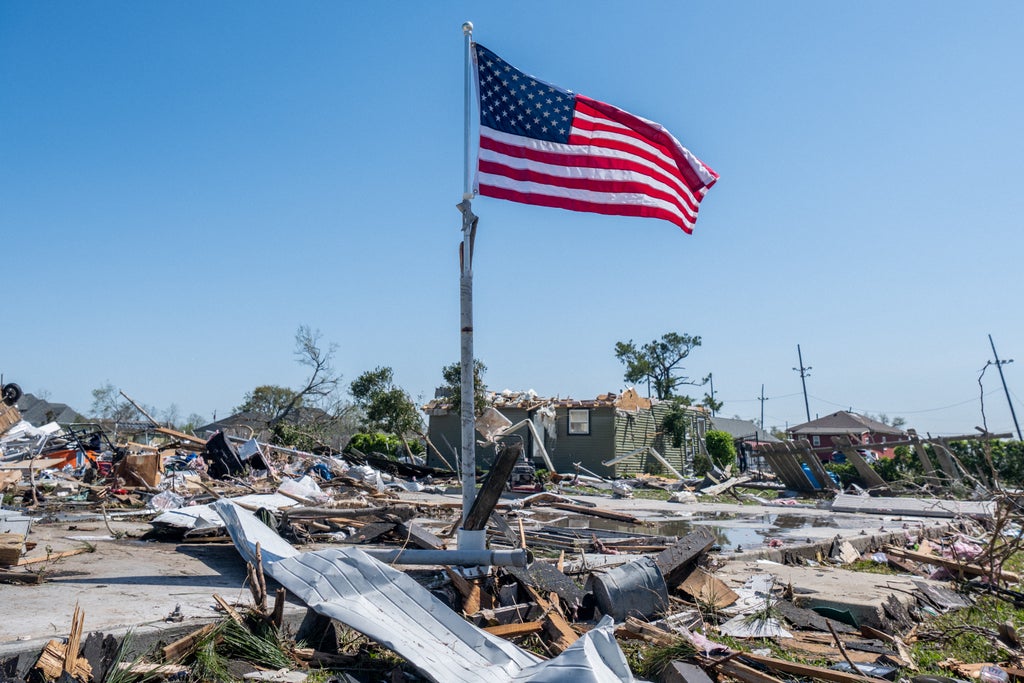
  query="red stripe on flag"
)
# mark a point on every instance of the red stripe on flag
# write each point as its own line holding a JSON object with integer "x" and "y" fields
{"x": 650, "y": 132}
{"x": 580, "y": 205}
{"x": 589, "y": 184}
{"x": 669, "y": 163}
{"x": 584, "y": 160}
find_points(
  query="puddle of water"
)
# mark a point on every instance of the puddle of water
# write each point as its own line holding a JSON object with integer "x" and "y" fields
{"x": 730, "y": 530}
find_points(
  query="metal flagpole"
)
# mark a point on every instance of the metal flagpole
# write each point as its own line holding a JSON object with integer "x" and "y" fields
{"x": 468, "y": 540}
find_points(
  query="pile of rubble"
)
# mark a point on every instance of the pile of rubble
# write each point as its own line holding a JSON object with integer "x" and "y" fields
{"x": 352, "y": 566}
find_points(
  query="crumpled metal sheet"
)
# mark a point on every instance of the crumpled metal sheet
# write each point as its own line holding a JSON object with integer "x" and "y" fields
{"x": 389, "y": 607}
{"x": 204, "y": 517}
{"x": 749, "y": 626}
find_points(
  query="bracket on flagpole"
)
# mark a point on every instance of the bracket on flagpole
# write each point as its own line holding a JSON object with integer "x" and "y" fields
{"x": 469, "y": 222}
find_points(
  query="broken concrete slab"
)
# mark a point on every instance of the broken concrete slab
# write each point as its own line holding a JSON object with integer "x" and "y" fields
{"x": 861, "y": 594}
{"x": 914, "y": 507}
{"x": 683, "y": 672}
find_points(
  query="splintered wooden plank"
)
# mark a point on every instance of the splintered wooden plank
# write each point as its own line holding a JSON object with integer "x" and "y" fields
{"x": 184, "y": 646}
{"x": 513, "y": 630}
{"x": 546, "y": 578}
{"x": 931, "y": 476}
{"x": 489, "y": 493}
{"x": 597, "y": 512}
{"x": 708, "y": 589}
{"x": 676, "y": 560}
{"x": 952, "y": 565}
{"x": 556, "y": 626}
{"x": 726, "y": 485}
{"x": 808, "y": 456}
{"x": 744, "y": 673}
{"x": 25, "y": 561}
{"x": 648, "y": 632}
{"x": 808, "y": 671}
{"x": 871, "y": 478}
{"x": 418, "y": 536}
{"x": 21, "y": 577}
{"x": 370, "y": 532}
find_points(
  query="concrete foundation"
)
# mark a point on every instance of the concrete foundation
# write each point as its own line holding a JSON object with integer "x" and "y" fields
{"x": 868, "y": 597}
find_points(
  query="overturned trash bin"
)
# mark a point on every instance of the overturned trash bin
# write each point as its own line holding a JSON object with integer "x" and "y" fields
{"x": 636, "y": 589}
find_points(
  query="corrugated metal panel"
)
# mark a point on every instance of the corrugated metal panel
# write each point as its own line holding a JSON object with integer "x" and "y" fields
{"x": 392, "y": 609}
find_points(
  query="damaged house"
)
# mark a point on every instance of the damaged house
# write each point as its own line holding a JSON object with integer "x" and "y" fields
{"x": 858, "y": 428}
{"x": 588, "y": 432}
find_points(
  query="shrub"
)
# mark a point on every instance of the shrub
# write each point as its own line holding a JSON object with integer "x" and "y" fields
{"x": 379, "y": 442}
{"x": 721, "y": 448}
{"x": 903, "y": 466}
{"x": 846, "y": 472}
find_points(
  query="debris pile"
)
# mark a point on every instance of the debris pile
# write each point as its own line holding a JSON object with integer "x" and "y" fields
{"x": 351, "y": 564}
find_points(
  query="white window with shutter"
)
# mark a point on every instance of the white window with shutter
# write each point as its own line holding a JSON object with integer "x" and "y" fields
{"x": 579, "y": 421}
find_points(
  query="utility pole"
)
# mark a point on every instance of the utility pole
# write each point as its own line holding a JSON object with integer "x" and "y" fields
{"x": 711, "y": 379}
{"x": 762, "y": 399}
{"x": 999, "y": 366}
{"x": 804, "y": 374}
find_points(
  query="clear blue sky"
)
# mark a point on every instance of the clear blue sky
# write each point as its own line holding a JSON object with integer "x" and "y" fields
{"x": 183, "y": 184}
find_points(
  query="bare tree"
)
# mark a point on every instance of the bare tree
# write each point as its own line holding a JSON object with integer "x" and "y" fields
{"x": 322, "y": 384}
{"x": 171, "y": 415}
{"x": 108, "y": 406}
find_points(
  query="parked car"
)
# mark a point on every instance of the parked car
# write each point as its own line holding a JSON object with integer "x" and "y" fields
{"x": 839, "y": 458}
{"x": 870, "y": 457}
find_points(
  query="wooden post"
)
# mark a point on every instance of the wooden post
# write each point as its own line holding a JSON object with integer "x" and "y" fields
{"x": 870, "y": 477}
{"x": 922, "y": 455}
{"x": 492, "y": 487}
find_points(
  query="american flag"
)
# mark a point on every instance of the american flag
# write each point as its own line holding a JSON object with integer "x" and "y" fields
{"x": 541, "y": 144}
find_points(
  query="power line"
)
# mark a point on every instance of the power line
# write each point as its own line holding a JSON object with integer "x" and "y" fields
{"x": 906, "y": 412}
{"x": 751, "y": 400}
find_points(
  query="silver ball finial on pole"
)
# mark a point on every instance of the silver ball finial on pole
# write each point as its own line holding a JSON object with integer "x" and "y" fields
{"x": 467, "y": 28}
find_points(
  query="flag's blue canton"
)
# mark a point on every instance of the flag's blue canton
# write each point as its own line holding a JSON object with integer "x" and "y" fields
{"x": 513, "y": 102}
